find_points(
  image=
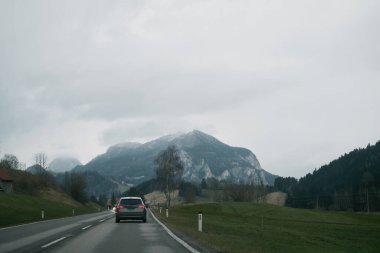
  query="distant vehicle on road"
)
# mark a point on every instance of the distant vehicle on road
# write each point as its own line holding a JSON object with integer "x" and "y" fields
{"x": 130, "y": 208}
{"x": 147, "y": 203}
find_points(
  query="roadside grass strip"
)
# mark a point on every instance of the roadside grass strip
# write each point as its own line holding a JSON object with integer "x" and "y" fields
{"x": 179, "y": 240}
{"x": 248, "y": 227}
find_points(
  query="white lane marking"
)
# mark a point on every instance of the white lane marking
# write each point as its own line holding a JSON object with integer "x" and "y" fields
{"x": 86, "y": 227}
{"x": 183, "y": 243}
{"x": 35, "y": 222}
{"x": 53, "y": 242}
{"x": 50, "y": 220}
{"x": 101, "y": 220}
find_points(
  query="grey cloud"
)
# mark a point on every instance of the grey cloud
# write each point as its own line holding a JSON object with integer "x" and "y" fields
{"x": 131, "y": 131}
{"x": 139, "y": 69}
{"x": 164, "y": 94}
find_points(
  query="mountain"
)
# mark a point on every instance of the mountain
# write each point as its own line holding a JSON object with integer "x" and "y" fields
{"x": 63, "y": 164}
{"x": 97, "y": 184}
{"x": 348, "y": 183}
{"x": 203, "y": 156}
{"x": 36, "y": 169}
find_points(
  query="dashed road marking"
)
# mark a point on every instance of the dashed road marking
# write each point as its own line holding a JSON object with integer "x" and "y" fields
{"x": 53, "y": 242}
{"x": 86, "y": 227}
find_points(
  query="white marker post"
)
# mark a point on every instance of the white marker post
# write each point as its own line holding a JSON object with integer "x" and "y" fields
{"x": 42, "y": 214}
{"x": 160, "y": 209}
{"x": 73, "y": 212}
{"x": 167, "y": 213}
{"x": 200, "y": 221}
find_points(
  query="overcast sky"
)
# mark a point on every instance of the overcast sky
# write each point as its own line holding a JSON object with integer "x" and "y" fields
{"x": 296, "y": 82}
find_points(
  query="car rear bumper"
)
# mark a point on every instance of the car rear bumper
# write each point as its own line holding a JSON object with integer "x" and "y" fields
{"x": 131, "y": 215}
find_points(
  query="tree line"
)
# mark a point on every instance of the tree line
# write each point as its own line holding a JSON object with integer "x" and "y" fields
{"x": 351, "y": 182}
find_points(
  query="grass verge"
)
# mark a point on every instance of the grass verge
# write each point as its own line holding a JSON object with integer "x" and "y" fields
{"x": 16, "y": 208}
{"x": 246, "y": 227}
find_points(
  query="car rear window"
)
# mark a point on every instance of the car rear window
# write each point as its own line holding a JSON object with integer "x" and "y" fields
{"x": 130, "y": 202}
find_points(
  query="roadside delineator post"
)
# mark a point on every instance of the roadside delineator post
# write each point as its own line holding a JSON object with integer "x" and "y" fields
{"x": 160, "y": 209}
{"x": 167, "y": 213}
{"x": 200, "y": 218}
{"x": 73, "y": 211}
{"x": 42, "y": 214}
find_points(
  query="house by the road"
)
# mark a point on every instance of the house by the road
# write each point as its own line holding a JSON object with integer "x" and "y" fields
{"x": 6, "y": 181}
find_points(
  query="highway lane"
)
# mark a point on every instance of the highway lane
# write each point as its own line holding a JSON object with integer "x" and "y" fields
{"x": 126, "y": 236}
{"x": 31, "y": 237}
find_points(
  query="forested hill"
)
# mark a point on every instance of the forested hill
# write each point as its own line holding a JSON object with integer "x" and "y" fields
{"x": 343, "y": 184}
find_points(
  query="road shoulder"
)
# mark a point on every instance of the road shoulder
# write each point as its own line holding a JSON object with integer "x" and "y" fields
{"x": 193, "y": 243}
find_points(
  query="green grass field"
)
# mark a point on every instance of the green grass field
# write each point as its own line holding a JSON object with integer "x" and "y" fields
{"x": 246, "y": 227}
{"x": 21, "y": 208}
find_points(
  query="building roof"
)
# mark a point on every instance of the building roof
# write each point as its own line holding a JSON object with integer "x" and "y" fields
{"x": 4, "y": 176}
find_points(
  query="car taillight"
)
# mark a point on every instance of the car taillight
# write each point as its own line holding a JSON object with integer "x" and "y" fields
{"x": 119, "y": 207}
{"x": 141, "y": 207}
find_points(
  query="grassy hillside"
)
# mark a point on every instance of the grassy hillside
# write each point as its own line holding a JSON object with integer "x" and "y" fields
{"x": 16, "y": 208}
{"x": 246, "y": 227}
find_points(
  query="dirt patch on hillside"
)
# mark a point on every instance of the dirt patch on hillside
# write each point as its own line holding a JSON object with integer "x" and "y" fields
{"x": 275, "y": 198}
{"x": 158, "y": 197}
{"x": 54, "y": 195}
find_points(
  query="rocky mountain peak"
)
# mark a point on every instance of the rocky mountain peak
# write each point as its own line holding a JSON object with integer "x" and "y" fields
{"x": 203, "y": 156}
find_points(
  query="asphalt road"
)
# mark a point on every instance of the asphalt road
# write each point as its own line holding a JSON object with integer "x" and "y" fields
{"x": 89, "y": 233}
{"x": 30, "y": 237}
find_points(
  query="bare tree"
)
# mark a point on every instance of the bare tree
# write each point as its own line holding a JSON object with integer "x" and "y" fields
{"x": 41, "y": 159}
{"x": 169, "y": 169}
{"x": 74, "y": 183}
